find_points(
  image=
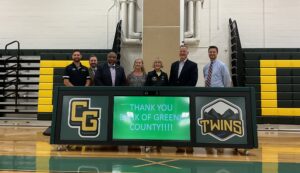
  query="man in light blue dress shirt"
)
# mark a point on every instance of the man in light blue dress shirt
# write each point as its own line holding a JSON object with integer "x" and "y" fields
{"x": 216, "y": 74}
{"x": 219, "y": 76}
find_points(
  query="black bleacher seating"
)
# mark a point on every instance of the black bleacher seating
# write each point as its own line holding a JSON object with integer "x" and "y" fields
{"x": 28, "y": 85}
{"x": 287, "y": 81}
{"x": 237, "y": 63}
{"x": 68, "y": 56}
{"x": 59, "y": 72}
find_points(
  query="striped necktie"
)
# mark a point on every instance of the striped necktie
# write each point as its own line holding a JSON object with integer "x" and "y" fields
{"x": 208, "y": 79}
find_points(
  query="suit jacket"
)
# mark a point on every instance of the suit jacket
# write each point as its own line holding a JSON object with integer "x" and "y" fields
{"x": 188, "y": 75}
{"x": 103, "y": 76}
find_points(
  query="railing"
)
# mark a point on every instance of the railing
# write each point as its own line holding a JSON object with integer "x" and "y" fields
{"x": 237, "y": 57}
{"x": 117, "y": 41}
{"x": 13, "y": 68}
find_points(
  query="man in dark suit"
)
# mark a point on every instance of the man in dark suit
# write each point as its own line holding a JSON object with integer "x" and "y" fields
{"x": 109, "y": 73}
{"x": 183, "y": 72}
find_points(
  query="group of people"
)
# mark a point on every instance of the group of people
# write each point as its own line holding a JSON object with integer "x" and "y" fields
{"x": 184, "y": 72}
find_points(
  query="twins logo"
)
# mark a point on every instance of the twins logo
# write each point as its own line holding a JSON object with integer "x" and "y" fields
{"x": 84, "y": 118}
{"x": 221, "y": 119}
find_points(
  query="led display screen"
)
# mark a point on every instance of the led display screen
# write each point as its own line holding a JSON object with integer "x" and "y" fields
{"x": 151, "y": 118}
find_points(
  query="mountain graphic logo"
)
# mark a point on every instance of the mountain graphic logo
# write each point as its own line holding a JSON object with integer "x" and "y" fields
{"x": 221, "y": 119}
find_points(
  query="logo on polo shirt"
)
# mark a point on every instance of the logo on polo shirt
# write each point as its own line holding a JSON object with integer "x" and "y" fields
{"x": 84, "y": 117}
{"x": 154, "y": 78}
{"x": 221, "y": 120}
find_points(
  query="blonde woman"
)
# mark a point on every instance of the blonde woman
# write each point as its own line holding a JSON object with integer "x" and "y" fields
{"x": 138, "y": 76}
{"x": 157, "y": 77}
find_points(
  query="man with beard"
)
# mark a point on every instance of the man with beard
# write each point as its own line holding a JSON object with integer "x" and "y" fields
{"x": 76, "y": 74}
{"x": 216, "y": 74}
{"x": 93, "y": 68}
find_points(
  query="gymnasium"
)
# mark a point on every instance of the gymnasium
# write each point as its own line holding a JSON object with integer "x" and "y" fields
{"x": 181, "y": 120}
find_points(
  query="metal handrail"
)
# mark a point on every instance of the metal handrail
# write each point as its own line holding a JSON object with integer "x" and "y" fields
{"x": 9, "y": 58}
{"x": 16, "y": 91}
{"x": 9, "y": 72}
{"x": 13, "y": 42}
{"x": 10, "y": 83}
{"x": 9, "y": 94}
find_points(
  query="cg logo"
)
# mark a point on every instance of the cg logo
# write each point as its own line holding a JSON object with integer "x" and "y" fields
{"x": 83, "y": 117}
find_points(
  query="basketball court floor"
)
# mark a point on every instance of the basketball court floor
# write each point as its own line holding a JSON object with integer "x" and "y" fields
{"x": 25, "y": 149}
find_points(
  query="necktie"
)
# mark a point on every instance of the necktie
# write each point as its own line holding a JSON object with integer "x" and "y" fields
{"x": 208, "y": 79}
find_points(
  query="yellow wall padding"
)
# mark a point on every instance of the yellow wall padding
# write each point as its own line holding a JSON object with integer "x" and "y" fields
{"x": 45, "y": 93}
{"x": 45, "y": 101}
{"x": 268, "y": 79}
{"x": 45, "y": 108}
{"x": 45, "y": 86}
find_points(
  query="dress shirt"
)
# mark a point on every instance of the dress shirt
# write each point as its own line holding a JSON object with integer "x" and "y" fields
{"x": 220, "y": 75}
{"x": 113, "y": 74}
{"x": 181, "y": 64}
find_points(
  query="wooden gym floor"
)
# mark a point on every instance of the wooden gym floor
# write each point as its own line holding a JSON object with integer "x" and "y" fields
{"x": 25, "y": 149}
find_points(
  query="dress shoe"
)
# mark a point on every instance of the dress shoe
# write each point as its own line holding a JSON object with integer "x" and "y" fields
{"x": 189, "y": 150}
{"x": 209, "y": 150}
{"x": 134, "y": 148}
{"x": 180, "y": 150}
{"x": 220, "y": 150}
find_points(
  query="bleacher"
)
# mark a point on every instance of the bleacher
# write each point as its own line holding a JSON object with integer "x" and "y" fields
{"x": 27, "y": 82}
{"x": 18, "y": 81}
{"x": 275, "y": 75}
{"x": 28, "y": 77}
{"x": 237, "y": 62}
{"x": 51, "y": 71}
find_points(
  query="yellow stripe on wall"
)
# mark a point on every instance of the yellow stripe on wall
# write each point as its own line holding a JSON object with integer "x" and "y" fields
{"x": 268, "y": 79}
{"x": 280, "y": 111}
{"x": 268, "y": 111}
{"x": 45, "y": 101}
{"x": 45, "y": 108}
{"x": 279, "y": 63}
{"x": 284, "y": 111}
{"x": 47, "y": 71}
{"x": 287, "y": 63}
{"x": 45, "y": 93}
{"x": 268, "y": 87}
{"x": 268, "y": 95}
{"x": 268, "y": 71}
{"x": 267, "y": 63}
{"x": 59, "y": 63}
{"x": 46, "y": 78}
{"x": 45, "y": 86}
{"x": 56, "y": 63}
{"x": 269, "y": 103}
